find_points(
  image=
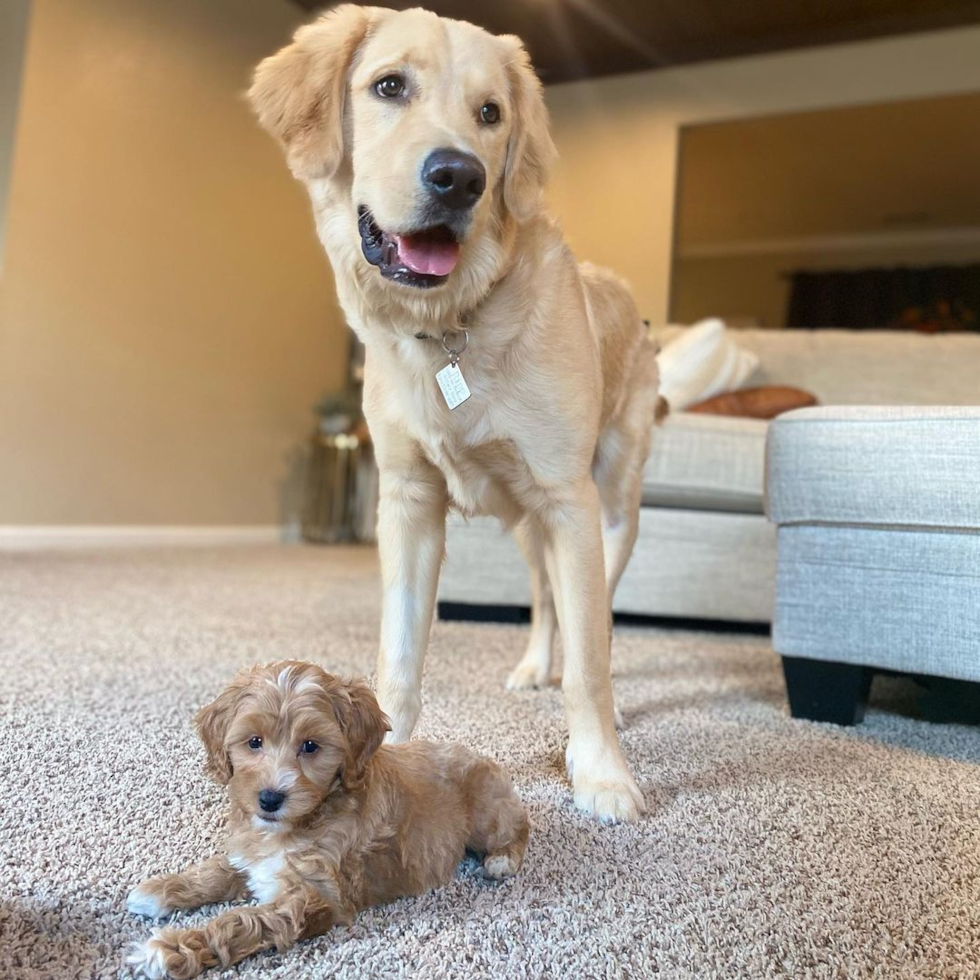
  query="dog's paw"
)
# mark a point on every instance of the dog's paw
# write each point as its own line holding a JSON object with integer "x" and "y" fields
{"x": 610, "y": 801}
{"x": 603, "y": 786}
{"x": 528, "y": 676}
{"x": 147, "y": 959}
{"x": 498, "y": 866}
{"x": 176, "y": 953}
{"x": 144, "y": 900}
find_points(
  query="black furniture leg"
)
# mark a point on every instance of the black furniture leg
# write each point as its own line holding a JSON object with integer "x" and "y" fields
{"x": 827, "y": 690}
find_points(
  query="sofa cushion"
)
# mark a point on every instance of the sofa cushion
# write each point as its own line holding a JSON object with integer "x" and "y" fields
{"x": 887, "y": 467}
{"x": 869, "y": 367}
{"x": 706, "y": 462}
{"x": 864, "y": 367}
{"x": 686, "y": 563}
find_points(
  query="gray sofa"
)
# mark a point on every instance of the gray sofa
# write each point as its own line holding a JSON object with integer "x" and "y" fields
{"x": 878, "y": 518}
{"x": 705, "y": 549}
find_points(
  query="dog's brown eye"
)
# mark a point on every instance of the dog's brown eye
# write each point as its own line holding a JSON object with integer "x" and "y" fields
{"x": 390, "y": 87}
{"x": 309, "y": 747}
{"x": 255, "y": 742}
{"x": 490, "y": 113}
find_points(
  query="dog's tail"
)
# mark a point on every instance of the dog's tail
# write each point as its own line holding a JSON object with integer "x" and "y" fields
{"x": 662, "y": 409}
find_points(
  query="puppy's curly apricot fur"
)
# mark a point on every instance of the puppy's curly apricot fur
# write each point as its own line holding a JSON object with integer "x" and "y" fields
{"x": 324, "y": 820}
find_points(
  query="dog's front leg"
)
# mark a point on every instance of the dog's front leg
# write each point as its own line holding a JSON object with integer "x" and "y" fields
{"x": 234, "y": 935}
{"x": 411, "y": 541}
{"x": 215, "y": 880}
{"x": 600, "y": 776}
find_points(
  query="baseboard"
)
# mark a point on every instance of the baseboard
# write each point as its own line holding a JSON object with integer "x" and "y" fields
{"x": 30, "y": 537}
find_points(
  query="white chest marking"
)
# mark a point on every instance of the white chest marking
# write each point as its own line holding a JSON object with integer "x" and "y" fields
{"x": 262, "y": 875}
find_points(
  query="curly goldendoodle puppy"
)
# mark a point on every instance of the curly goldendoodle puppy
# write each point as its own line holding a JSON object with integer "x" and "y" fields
{"x": 324, "y": 820}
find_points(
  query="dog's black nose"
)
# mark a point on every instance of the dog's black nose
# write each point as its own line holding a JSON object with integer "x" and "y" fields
{"x": 270, "y": 800}
{"x": 455, "y": 179}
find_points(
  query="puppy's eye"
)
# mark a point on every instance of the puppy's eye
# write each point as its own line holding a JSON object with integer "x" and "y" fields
{"x": 308, "y": 747}
{"x": 490, "y": 113}
{"x": 255, "y": 742}
{"x": 390, "y": 87}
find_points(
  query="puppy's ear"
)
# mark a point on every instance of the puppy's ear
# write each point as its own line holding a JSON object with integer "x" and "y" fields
{"x": 530, "y": 150}
{"x": 212, "y": 723}
{"x": 364, "y": 725}
{"x": 298, "y": 94}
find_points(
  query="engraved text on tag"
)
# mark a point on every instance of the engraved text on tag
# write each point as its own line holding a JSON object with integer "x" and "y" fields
{"x": 453, "y": 385}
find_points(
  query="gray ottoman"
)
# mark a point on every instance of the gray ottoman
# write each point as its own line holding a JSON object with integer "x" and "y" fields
{"x": 878, "y": 537}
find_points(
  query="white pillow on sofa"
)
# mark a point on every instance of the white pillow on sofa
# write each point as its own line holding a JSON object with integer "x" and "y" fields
{"x": 703, "y": 361}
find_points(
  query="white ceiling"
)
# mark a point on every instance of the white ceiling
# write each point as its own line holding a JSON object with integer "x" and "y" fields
{"x": 904, "y": 170}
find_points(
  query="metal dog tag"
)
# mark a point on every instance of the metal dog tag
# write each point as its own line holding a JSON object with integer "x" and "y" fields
{"x": 453, "y": 385}
{"x": 451, "y": 382}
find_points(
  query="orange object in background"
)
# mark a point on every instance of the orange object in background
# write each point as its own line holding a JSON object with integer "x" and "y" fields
{"x": 765, "y": 402}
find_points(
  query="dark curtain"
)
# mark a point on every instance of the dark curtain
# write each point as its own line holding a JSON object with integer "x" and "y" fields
{"x": 942, "y": 297}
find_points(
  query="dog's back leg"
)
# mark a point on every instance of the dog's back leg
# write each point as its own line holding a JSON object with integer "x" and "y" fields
{"x": 619, "y": 498}
{"x": 500, "y": 825}
{"x": 534, "y": 669}
{"x": 618, "y": 470}
{"x": 620, "y": 488}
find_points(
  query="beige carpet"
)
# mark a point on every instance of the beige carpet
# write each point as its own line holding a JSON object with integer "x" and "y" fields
{"x": 772, "y": 848}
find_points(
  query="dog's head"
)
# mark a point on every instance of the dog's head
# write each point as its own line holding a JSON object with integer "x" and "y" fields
{"x": 433, "y": 131}
{"x": 285, "y": 735}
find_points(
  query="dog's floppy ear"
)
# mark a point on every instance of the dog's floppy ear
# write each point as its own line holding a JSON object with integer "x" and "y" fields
{"x": 298, "y": 94}
{"x": 212, "y": 723}
{"x": 364, "y": 725}
{"x": 530, "y": 150}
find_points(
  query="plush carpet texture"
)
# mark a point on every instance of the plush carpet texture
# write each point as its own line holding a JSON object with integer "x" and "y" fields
{"x": 772, "y": 847}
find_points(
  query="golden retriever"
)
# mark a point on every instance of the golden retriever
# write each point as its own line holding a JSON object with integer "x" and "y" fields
{"x": 324, "y": 820}
{"x": 424, "y": 145}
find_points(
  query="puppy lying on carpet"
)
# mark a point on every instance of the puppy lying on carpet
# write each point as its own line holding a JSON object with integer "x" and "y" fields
{"x": 324, "y": 820}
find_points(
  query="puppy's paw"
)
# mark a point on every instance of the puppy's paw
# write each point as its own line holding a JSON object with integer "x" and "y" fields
{"x": 176, "y": 953}
{"x": 499, "y": 866}
{"x": 603, "y": 786}
{"x": 146, "y": 959}
{"x": 145, "y": 899}
{"x": 528, "y": 676}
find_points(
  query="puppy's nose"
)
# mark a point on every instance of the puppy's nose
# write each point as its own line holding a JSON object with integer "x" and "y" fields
{"x": 455, "y": 179}
{"x": 270, "y": 800}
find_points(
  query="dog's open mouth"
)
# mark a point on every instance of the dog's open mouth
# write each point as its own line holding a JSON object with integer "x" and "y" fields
{"x": 422, "y": 258}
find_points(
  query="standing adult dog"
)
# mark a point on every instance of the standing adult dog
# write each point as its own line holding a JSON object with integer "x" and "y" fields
{"x": 424, "y": 145}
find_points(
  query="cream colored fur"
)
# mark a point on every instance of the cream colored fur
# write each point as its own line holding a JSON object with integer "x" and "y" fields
{"x": 563, "y": 381}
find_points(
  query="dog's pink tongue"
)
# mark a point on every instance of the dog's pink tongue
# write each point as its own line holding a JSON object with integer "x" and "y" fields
{"x": 426, "y": 255}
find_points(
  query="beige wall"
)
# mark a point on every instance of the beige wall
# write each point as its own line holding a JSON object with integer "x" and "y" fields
{"x": 614, "y": 187}
{"x": 167, "y": 318}
{"x": 13, "y": 31}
